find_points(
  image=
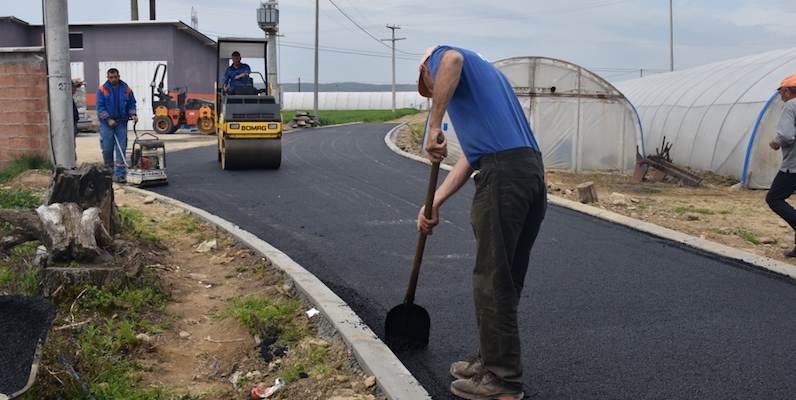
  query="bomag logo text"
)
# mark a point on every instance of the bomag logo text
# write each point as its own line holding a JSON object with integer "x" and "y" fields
{"x": 254, "y": 128}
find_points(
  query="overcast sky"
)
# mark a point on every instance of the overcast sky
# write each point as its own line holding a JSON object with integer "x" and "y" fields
{"x": 617, "y": 39}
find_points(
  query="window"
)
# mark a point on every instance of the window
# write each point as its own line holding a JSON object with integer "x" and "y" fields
{"x": 76, "y": 41}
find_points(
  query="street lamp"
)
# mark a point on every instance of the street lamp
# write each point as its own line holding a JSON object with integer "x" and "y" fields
{"x": 268, "y": 20}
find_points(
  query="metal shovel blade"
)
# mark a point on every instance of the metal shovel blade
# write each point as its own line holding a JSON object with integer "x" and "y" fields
{"x": 407, "y": 327}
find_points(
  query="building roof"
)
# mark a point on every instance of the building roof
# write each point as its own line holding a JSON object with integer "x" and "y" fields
{"x": 178, "y": 24}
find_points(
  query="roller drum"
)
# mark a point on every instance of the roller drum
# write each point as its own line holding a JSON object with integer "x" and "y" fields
{"x": 251, "y": 154}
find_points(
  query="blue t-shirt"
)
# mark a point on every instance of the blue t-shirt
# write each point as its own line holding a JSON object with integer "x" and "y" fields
{"x": 484, "y": 110}
{"x": 229, "y": 75}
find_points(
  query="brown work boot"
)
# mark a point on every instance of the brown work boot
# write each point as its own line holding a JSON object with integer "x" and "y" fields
{"x": 484, "y": 386}
{"x": 466, "y": 369}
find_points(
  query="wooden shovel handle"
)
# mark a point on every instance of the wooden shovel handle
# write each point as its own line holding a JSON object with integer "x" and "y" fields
{"x": 421, "y": 241}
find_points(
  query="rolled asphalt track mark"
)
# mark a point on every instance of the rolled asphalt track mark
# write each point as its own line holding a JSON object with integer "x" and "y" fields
{"x": 375, "y": 358}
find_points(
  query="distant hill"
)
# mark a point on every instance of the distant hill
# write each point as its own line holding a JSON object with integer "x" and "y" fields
{"x": 346, "y": 87}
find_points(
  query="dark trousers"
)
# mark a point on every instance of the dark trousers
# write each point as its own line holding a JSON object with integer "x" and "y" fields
{"x": 783, "y": 186}
{"x": 508, "y": 207}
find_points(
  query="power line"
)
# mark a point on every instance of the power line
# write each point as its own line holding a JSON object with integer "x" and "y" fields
{"x": 361, "y": 28}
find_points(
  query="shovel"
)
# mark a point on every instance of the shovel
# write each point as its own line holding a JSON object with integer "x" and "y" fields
{"x": 407, "y": 326}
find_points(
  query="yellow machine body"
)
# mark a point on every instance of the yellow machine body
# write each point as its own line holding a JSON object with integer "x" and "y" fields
{"x": 248, "y": 123}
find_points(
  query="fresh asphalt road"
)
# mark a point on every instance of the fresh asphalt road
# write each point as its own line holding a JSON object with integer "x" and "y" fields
{"x": 607, "y": 312}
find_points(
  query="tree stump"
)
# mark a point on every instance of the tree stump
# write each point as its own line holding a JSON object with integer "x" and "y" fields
{"x": 78, "y": 220}
{"x": 587, "y": 193}
{"x": 88, "y": 186}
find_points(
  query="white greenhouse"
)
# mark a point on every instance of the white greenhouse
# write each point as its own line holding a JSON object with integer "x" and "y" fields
{"x": 718, "y": 117}
{"x": 581, "y": 122}
{"x": 352, "y": 100}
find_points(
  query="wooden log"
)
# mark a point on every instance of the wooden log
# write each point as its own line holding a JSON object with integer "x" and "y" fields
{"x": 587, "y": 193}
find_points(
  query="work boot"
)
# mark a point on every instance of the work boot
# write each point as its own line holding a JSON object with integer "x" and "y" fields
{"x": 466, "y": 369}
{"x": 484, "y": 386}
{"x": 790, "y": 253}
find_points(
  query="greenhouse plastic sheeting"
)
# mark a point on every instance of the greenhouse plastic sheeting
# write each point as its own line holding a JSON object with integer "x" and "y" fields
{"x": 580, "y": 121}
{"x": 353, "y": 100}
{"x": 717, "y": 117}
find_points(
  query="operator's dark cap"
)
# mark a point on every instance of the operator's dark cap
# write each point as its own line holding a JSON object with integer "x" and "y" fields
{"x": 235, "y": 54}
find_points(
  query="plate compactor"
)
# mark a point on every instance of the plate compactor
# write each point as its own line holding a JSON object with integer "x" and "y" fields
{"x": 148, "y": 161}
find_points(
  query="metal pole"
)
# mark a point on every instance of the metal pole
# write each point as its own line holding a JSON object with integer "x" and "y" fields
{"x": 134, "y": 10}
{"x": 315, "y": 102}
{"x": 671, "y": 38}
{"x": 56, "y": 45}
{"x": 393, "y": 27}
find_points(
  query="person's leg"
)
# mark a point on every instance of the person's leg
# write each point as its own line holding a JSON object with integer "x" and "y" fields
{"x": 107, "y": 143}
{"x": 120, "y": 134}
{"x": 782, "y": 187}
{"x": 507, "y": 211}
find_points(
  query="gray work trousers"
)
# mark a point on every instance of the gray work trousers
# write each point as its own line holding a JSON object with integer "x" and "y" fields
{"x": 508, "y": 207}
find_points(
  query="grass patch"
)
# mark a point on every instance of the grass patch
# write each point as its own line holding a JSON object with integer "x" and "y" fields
{"x": 22, "y": 199}
{"x": 136, "y": 225}
{"x": 683, "y": 210}
{"x": 98, "y": 347}
{"x": 266, "y": 317}
{"x": 336, "y": 117}
{"x": 745, "y": 235}
{"x": 21, "y": 164}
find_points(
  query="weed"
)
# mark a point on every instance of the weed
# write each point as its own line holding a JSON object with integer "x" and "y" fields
{"x": 683, "y": 210}
{"x": 22, "y": 199}
{"x": 266, "y": 317}
{"x": 745, "y": 235}
{"x": 7, "y": 275}
{"x": 135, "y": 225}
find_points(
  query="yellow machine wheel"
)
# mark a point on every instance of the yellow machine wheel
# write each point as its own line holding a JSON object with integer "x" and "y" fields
{"x": 251, "y": 153}
{"x": 206, "y": 126}
{"x": 162, "y": 124}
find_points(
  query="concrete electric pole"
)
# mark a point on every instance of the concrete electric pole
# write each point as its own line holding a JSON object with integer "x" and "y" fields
{"x": 315, "y": 97}
{"x": 393, "y": 27}
{"x": 56, "y": 45}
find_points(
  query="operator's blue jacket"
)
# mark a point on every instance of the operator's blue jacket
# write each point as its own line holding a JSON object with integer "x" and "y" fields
{"x": 124, "y": 104}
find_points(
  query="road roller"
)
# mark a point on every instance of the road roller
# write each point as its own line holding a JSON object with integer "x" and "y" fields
{"x": 248, "y": 120}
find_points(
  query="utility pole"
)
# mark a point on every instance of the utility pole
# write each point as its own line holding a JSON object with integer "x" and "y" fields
{"x": 393, "y": 27}
{"x": 315, "y": 97}
{"x": 134, "y": 10}
{"x": 671, "y": 38}
{"x": 56, "y": 46}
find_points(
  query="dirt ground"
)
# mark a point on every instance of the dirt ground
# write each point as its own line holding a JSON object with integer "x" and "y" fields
{"x": 714, "y": 210}
{"x": 204, "y": 356}
{"x": 200, "y": 354}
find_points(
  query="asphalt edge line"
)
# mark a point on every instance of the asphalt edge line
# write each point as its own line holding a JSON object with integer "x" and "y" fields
{"x": 372, "y": 354}
{"x": 767, "y": 263}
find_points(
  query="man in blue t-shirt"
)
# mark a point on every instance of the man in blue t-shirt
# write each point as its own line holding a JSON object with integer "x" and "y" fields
{"x": 507, "y": 209}
{"x": 235, "y": 75}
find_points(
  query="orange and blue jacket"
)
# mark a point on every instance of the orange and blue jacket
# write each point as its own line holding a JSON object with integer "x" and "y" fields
{"x": 123, "y": 103}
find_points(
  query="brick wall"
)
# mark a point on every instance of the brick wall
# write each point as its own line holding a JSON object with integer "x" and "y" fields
{"x": 24, "y": 126}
